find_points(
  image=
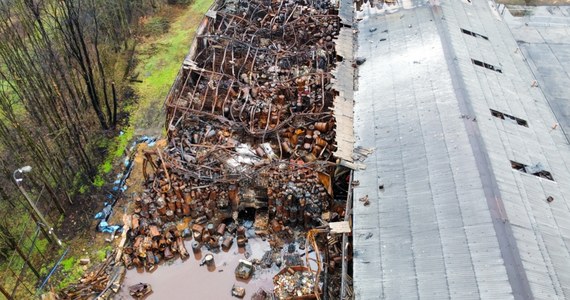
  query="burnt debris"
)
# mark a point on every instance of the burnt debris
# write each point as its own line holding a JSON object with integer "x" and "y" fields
{"x": 250, "y": 127}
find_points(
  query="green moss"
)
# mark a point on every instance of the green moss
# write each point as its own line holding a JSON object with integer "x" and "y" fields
{"x": 201, "y": 6}
{"x": 116, "y": 151}
{"x": 106, "y": 167}
{"x": 99, "y": 181}
{"x": 83, "y": 189}
{"x": 71, "y": 277}
{"x": 68, "y": 264}
{"x": 42, "y": 245}
{"x": 123, "y": 142}
{"x": 71, "y": 270}
{"x": 102, "y": 253}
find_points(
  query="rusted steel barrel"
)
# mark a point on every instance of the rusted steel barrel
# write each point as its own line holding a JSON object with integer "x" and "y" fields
{"x": 241, "y": 231}
{"x": 221, "y": 229}
{"x": 210, "y": 227}
{"x": 209, "y": 260}
{"x": 227, "y": 243}
{"x": 241, "y": 241}
{"x": 195, "y": 246}
{"x": 213, "y": 243}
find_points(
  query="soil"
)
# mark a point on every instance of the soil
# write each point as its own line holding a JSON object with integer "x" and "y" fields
{"x": 79, "y": 216}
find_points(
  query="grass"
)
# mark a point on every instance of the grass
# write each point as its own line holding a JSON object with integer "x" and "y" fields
{"x": 116, "y": 151}
{"x": 72, "y": 270}
{"x": 161, "y": 58}
{"x": 102, "y": 253}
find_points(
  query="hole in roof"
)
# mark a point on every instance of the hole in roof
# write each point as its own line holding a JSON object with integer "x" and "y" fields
{"x": 486, "y": 65}
{"x": 471, "y": 33}
{"x": 536, "y": 170}
{"x": 507, "y": 117}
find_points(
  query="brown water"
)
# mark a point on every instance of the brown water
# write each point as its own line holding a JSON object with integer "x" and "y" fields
{"x": 183, "y": 280}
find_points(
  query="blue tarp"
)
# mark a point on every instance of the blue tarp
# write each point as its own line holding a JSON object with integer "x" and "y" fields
{"x": 119, "y": 186}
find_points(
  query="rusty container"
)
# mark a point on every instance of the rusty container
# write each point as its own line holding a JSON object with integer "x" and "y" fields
{"x": 171, "y": 204}
{"x": 241, "y": 241}
{"x": 206, "y": 236}
{"x": 195, "y": 246}
{"x": 241, "y": 231}
{"x": 321, "y": 142}
{"x": 210, "y": 227}
{"x": 275, "y": 226}
{"x": 209, "y": 260}
{"x": 227, "y": 243}
{"x": 187, "y": 198}
{"x": 185, "y": 209}
{"x": 233, "y": 196}
{"x": 322, "y": 126}
{"x": 197, "y": 232}
{"x": 221, "y": 229}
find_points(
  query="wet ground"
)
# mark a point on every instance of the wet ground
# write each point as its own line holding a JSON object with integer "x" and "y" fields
{"x": 188, "y": 280}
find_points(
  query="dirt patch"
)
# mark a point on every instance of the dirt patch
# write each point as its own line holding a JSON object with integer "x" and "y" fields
{"x": 80, "y": 216}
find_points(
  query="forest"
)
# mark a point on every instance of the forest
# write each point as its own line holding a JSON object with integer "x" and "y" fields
{"x": 66, "y": 92}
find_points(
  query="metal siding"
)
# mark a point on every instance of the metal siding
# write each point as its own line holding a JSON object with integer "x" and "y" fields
{"x": 432, "y": 225}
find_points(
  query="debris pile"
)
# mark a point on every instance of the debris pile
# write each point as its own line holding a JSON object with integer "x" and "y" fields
{"x": 294, "y": 282}
{"x": 102, "y": 282}
{"x": 250, "y": 127}
{"x": 151, "y": 240}
{"x": 250, "y": 121}
{"x": 140, "y": 290}
{"x": 244, "y": 269}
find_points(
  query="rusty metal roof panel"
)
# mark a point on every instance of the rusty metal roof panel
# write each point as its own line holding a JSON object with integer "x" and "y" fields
{"x": 343, "y": 83}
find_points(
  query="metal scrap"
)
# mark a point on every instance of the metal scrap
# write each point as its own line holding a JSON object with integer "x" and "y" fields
{"x": 294, "y": 282}
{"x": 250, "y": 126}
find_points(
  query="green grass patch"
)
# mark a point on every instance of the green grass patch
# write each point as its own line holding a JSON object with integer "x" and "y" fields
{"x": 102, "y": 253}
{"x": 116, "y": 151}
{"x": 42, "y": 245}
{"x": 72, "y": 272}
{"x": 201, "y": 6}
{"x": 156, "y": 26}
{"x": 160, "y": 60}
{"x": 68, "y": 264}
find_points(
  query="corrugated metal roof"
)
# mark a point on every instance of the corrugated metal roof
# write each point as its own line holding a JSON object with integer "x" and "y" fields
{"x": 343, "y": 80}
{"x": 454, "y": 219}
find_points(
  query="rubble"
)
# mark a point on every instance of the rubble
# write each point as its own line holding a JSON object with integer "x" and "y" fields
{"x": 250, "y": 126}
{"x": 238, "y": 291}
{"x": 140, "y": 290}
{"x": 102, "y": 280}
{"x": 261, "y": 294}
{"x": 294, "y": 282}
{"x": 244, "y": 269}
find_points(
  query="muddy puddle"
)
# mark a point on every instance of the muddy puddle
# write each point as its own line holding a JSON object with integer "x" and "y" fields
{"x": 186, "y": 279}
